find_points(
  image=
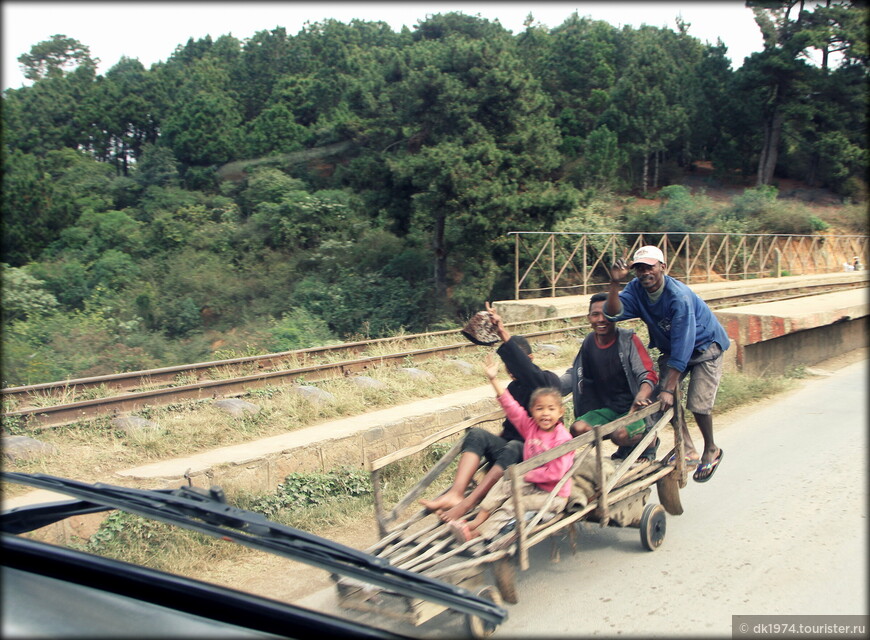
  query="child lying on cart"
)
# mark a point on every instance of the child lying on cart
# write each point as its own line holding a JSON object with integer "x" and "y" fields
{"x": 543, "y": 431}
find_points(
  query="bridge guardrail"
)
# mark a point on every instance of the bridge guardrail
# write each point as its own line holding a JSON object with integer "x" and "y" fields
{"x": 574, "y": 263}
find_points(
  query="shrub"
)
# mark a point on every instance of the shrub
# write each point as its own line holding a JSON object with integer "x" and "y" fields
{"x": 759, "y": 211}
{"x": 682, "y": 211}
{"x": 817, "y": 224}
{"x": 679, "y": 210}
{"x": 786, "y": 217}
{"x": 23, "y": 295}
{"x": 181, "y": 316}
{"x": 855, "y": 189}
{"x": 305, "y": 489}
{"x": 299, "y": 329}
{"x": 53, "y": 346}
{"x": 151, "y": 543}
{"x": 754, "y": 202}
{"x": 66, "y": 279}
{"x": 114, "y": 270}
{"x": 855, "y": 217}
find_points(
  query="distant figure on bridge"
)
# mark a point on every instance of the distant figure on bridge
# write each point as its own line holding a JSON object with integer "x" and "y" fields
{"x": 856, "y": 264}
{"x": 690, "y": 338}
{"x": 499, "y": 451}
{"x": 602, "y": 388}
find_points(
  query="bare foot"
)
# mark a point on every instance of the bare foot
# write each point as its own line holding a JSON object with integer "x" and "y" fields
{"x": 444, "y": 501}
{"x": 461, "y": 531}
{"x": 710, "y": 455}
{"x": 456, "y": 511}
{"x": 691, "y": 454}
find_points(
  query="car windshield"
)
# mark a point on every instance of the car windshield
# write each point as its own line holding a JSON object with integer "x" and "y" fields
{"x": 207, "y": 512}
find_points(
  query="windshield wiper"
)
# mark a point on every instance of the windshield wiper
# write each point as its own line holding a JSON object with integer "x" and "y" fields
{"x": 207, "y": 512}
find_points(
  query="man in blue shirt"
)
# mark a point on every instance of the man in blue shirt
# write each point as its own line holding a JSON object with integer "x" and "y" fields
{"x": 683, "y": 328}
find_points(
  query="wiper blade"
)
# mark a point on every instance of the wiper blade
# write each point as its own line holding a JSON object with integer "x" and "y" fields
{"x": 207, "y": 512}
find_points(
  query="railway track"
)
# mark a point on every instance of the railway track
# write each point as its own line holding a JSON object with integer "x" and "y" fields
{"x": 69, "y": 401}
{"x": 57, "y": 403}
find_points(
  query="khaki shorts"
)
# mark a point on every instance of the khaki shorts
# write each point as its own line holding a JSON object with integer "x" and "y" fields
{"x": 706, "y": 373}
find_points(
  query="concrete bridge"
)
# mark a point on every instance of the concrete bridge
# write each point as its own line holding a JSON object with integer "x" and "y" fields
{"x": 770, "y": 336}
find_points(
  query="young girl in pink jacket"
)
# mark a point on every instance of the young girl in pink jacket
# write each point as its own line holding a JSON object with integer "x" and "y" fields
{"x": 543, "y": 430}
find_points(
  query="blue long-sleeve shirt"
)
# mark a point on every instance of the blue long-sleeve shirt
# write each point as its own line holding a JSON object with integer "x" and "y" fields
{"x": 679, "y": 322}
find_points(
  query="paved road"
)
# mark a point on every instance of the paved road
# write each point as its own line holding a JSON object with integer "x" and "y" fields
{"x": 780, "y": 529}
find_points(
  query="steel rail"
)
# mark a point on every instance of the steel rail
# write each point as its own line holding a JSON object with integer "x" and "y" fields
{"x": 720, "y": 302}
{"x": 135, "y": 380}
{"x": 63, "y": 414}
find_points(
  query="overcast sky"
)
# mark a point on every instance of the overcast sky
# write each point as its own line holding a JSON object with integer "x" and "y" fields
{"x": 150, "y": 31}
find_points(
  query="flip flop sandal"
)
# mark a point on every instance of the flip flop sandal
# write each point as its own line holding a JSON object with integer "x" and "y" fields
{"x": 621, "y": 453}
{"x": 692, "y": 462}
{"x": 711, "y": 466}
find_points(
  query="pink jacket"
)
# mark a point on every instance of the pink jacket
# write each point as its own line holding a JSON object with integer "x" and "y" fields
{"x": 536, "y": 441}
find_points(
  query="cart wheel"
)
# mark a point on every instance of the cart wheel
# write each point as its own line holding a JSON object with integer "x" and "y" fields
{"x": 669, "y": 493}
{"x": 477, "y": 627}
{"x": 652, "y": 526}
{"x": 505, "y": 580}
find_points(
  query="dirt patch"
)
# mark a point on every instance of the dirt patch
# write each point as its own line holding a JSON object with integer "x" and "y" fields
{"x": 838, "y": 362}
{"x": 701, "y": 177}
{"x": 279, "y": 578}
{"x": 797, "y": 190}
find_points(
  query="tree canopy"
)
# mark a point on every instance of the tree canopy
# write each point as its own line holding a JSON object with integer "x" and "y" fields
{"x": 363, "y": 180}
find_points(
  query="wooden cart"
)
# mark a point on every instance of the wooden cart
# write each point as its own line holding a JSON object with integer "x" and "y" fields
{"x": 426, "y": 545}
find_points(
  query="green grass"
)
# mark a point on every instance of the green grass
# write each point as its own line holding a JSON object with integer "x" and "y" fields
{"x": 308, "y": 501}
{"x": 738, "y": 389}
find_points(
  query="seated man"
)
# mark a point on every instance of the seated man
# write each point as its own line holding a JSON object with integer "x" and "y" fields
{"x": 612, "y": 375}
{"x": 500, "y": 451}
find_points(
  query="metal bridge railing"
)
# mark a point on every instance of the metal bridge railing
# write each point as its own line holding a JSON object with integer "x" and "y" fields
{"x": 572, "y": 263}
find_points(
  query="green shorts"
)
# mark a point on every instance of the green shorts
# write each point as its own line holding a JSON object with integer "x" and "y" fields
{"x": 604, "y": 415}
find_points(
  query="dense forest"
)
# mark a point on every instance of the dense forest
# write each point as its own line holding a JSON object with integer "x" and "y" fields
{"x": 291, "y": 190}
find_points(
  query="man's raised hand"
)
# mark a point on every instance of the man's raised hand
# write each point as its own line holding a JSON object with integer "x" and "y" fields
{"x": 618, "y": 270}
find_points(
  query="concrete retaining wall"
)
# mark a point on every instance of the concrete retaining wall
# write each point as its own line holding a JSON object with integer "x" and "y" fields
{"x": 777, "y": 335}
{"x": 807, "y": 347}
{"x": 260, "y": 466}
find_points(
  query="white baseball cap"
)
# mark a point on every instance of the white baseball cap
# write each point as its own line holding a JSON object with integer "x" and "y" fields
{"x": 648, "y": 255}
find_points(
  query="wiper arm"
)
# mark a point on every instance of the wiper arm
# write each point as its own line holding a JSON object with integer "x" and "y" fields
{"x": 207, "y": 512}
{"x": 24, "y": 519}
